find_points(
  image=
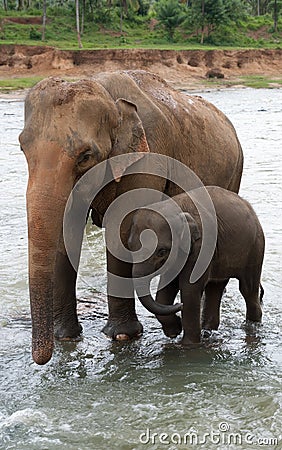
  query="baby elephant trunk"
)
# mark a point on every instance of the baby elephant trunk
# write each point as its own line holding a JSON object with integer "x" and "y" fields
{"x": 158, "y": 309}
{"x": 142, "y": 288}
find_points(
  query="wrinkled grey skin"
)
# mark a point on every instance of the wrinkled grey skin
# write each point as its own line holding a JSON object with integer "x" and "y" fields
{"x": 239, "y": 254}
{"x": 72, "y": 126}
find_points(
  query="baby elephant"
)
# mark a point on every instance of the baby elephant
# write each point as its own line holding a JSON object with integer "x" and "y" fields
{"x": 239, "y": 252}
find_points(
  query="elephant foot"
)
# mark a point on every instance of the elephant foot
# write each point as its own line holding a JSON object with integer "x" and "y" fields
{"x": 210, "y": 325}
{"x": 171, "y": 325}
{"x": 192, "y": 339}
{"x": 191, "y": 345}
{"x": 67, "y": 332}
{"x": 123, "y": 331}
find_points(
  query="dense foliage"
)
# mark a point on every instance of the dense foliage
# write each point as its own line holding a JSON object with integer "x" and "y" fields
{"x": 145, "y": 23}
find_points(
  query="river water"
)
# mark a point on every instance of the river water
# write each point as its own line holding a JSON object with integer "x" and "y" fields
{"x": 147, "y": 394}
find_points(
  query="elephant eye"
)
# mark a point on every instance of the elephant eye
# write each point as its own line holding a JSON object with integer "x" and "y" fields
{"x": 162, "y": 252}
{"x": 84, "y": 157}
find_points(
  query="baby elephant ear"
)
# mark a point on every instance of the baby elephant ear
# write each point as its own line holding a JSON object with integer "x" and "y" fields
{"x": 194, "y": 229}
{"x": 130, "y": 138}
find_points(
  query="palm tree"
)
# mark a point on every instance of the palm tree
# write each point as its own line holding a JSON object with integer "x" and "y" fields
{"x": 170, "y": 14}
{"x": 77, "y": 23}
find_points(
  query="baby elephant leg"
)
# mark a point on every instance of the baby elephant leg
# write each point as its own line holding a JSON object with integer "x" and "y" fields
{"x": 171, "y": 324}
{"x": 249, "y": 288}
{"x": 211, "y": 307}
{"x": 191, "y": 299}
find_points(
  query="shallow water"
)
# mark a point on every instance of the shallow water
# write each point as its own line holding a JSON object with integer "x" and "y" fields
{"x": 99, "y": 395}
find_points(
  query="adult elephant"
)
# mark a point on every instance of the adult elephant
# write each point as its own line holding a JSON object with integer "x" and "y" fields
{"x": 71, "y": 127}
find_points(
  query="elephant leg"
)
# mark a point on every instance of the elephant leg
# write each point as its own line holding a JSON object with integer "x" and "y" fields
{"x": 171, "y": 325}
{"x": 122, "y": 323}
{"x": 66, "y": 325}
{"x": 191, "y": 299}
{"x": 211, "y": 307}
{"x": 249, "y": 288}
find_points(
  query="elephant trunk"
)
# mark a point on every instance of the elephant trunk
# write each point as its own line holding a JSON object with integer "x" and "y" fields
{"x": 142, "y": 287}
{"x": 158, "y": 309}
{"x": 142, "y": 278}
{"x": 41, "y": 301}
{"x": 45, "y": 209}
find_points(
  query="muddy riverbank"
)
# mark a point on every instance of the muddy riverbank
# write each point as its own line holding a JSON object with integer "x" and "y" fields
{"x": 184, "y": 68}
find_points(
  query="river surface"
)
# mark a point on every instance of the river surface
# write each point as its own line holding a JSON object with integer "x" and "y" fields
{"x": 150, "y": 393}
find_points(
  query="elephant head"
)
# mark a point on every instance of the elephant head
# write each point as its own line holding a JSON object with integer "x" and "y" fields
{"x": 69, "y": 128}
{"x": 151, "y": 252}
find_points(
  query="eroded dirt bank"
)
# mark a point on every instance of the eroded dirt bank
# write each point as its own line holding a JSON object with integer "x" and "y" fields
{"x": 183, "y": 68}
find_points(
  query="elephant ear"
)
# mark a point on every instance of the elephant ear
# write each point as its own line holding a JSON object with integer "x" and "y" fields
{"x": 194, "y": 229}
{"x": 130, "y": 138}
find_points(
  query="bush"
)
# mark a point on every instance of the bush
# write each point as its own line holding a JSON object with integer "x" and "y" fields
{"x": 34, "y": 34}
{"x": 227, "y": 35}
{"x": 106, "y": 16}
{"x": 144, "y": 6}
{"x": 255, "y": 23}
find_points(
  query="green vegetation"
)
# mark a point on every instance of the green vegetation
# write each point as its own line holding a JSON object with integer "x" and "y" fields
{"x": 256, "y": 81}
{"x": 170, "y": 14}
{"x": 253, "y": 81}
{"x": 176, "y": 24}
{"x": 18, "y": 83}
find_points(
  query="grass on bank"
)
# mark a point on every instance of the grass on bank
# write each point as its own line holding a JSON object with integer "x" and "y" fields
{"x": 252, "y": 81}
{"x": 257, "y": 81}
{"x": 14, "y": 84}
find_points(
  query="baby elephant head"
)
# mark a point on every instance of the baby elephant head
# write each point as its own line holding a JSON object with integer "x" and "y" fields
{"x": 157, "y": 235}
{"x": 158, "y": 243}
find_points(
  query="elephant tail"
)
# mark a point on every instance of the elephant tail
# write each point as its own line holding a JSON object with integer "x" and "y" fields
{"x": 261, "y": 293}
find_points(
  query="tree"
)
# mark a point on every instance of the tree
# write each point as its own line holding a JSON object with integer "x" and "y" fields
{"x": 124, "y": 6}
{"x": 234, "y": 10}
{"x": 78, "y": 23}
{"x": 170, "y": 13}
{"x": 44, "y": 16}
{"x": 208, "y": 15}
{"x": 274, "y": 8}
{"x": 275, "y": 16}
{"x": 144, "y": 6}
{"x": 257, "y": 7}
{"x": 23, "y": 4}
